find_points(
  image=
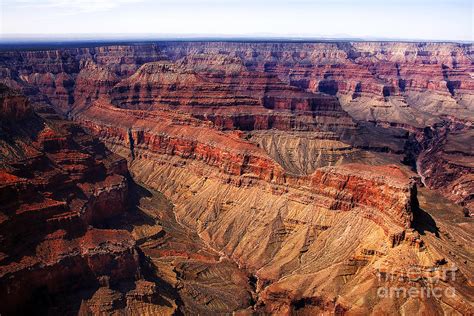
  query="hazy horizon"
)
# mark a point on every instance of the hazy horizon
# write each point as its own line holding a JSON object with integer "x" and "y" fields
{"x": 436, "y": 20}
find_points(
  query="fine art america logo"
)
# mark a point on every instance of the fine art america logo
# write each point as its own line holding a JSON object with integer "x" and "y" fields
{"x": 417, "y": 282}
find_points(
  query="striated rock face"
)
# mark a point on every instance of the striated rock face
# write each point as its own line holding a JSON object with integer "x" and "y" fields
{"x": 342, "y": 221}
{"x": 318, "y": 236}
{"x": 56, "y": 181}
{"x": 250, "y": 86}
{"x": 397, "y": 82}
{"x": 77, "y": 236}
{"x": 241, "y": 163}
{"x": 296, "y": 161}
{"x": 392, "y": 82}
{"x": 14, "y": 106}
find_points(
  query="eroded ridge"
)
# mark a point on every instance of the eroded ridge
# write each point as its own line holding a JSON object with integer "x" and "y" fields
{"x": 78, "y": 236}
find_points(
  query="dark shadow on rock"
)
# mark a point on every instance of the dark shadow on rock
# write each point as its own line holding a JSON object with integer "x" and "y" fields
{"x": 137, "y": 192}
{"x": 134, "y": 216}
{"x": 423, "y": 222}
{"x": 328, "y": 86}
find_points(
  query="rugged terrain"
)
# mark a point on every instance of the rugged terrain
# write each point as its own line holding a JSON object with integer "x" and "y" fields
{"x": 78, "y": 235}
{"x": 293, "y": 167}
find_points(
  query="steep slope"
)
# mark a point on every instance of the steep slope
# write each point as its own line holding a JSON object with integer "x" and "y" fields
{"x": 232, "y": 193}
{"x": 77, "y": 235}
{"x": 58, "y": 186}
{"x": 407, "y": 79}
{"x": 447, "y": 164}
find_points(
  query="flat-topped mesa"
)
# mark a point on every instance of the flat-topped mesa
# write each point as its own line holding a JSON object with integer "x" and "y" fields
{"x": 163, "y": 82}
{"x": 252, "y": 145}
{"x": 375, "y": 71}
{"x": 350, "y": 67}
{"x": 53, "y": 73}
{"x": 404, "y": 83}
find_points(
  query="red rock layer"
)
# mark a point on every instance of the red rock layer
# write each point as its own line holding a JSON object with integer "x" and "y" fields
{"x": 377, "y": 70}
{"x": 14, "y": 106}
{"x": 75, "y": 240}
{"x": 252, "y": 86}
{"x": 247, "y": 101}
{"x": 242, "y": 163}
{"x": 57, "y": 184}
{"x": 54, "y": 73}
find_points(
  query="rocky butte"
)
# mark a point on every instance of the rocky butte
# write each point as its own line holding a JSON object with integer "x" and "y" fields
{"x": 219, "y": 177}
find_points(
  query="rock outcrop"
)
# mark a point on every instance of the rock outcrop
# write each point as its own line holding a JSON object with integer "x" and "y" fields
{"x": 58, "y": 187}
{"x": 405, "y": 79}
{"x": 232, "y": 191}
{"x": 78, "y": 236}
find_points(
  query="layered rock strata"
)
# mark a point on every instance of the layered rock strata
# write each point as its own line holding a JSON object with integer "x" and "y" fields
{"x": 77, "y": 236}
{"x": 228, "y": 187}
{"x": 253, "y": 145}
{"x": 409, "y": 85}
{"x": 56, "y": 182}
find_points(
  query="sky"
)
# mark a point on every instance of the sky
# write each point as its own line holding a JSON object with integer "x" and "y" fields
{"x": 365, "y": 19}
